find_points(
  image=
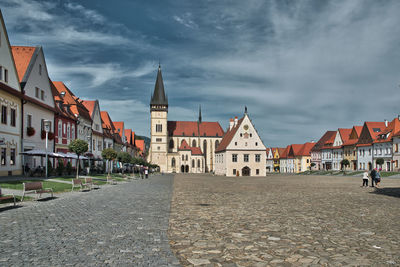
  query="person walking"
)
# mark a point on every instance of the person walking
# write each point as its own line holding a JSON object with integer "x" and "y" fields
{"x": 378, "y": 178}
{"x": 373, "y": 176}
{"x": 146, "y": 172}
{"x": 365, "y": 179}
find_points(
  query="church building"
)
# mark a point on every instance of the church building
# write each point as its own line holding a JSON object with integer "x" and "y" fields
{"x": 180, "y": 146}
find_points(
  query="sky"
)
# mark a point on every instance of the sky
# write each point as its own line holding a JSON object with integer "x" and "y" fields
{"x": 301, "y": 67}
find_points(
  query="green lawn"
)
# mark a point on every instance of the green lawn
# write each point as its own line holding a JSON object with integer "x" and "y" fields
{"x": 388, "y": 174}
{"x": 57, "y": 187}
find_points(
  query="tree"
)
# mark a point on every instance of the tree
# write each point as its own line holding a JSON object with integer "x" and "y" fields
{"x": 60, "y": 167}
{"x": 380, "y": 161}
{"x": 124, "y": 157}
{"x": 79, "y": 147}
{"x": 312, "y": 165}
{"x": 109, "y": 154}
{"x": 345, "y": 163}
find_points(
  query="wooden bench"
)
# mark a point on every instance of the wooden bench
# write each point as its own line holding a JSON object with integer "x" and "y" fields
{"x": 3, "y": 197}
{"x": 35, "y": 188}
{"x": 78, "y": 183}
{"x": 89, "y": 181}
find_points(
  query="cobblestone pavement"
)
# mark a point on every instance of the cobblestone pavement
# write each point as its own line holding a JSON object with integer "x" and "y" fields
{"x": 284, "y": 221}
{"x": 124, "y": 224}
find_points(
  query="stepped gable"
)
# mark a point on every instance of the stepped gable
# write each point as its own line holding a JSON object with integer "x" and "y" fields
{"x": 328, "y": 136}
{"x": 191, "y": 128}
{"x": 22, "y": 58}
{"x": 226, "y": 140}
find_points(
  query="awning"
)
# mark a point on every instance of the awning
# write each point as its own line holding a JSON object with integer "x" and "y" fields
{"x": 42, "y": 153}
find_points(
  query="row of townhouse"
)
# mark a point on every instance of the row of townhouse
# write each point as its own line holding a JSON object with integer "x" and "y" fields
{"x": 294, "y": 158}
{"x": 361, "y": 146}
{"x": 28, "y": 98}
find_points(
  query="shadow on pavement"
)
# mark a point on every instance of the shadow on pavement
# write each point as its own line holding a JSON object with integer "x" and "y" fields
{"x": 11, "y": 207}
{"x": 387, "y": 191}
{"x": 46, "y": 199}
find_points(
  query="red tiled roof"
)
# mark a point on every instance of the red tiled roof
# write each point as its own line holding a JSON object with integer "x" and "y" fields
{"x": 128, "y": 135}
{"x": 190, "y": 128}
{"x": 285, "y": 153}
{"x": 306, "y": 149}
{"x": 296, "y": 148}
{"x": 58, "y": 99}
{"x": 133, "y": 137}
{"x": 345, "y": 134}
{"x": 107, "y": 122}
{"x": 328, "y": 137}
{"x": 392, "y": 129}
{"x": 119, "y": 126}
{"x": 195, "y": 150}
{"x": 228, "y": 137}
{"x": 89, "y": 104}
{"x": 22, "y": 57}
{"x": 76, "y": 106}
{"x": 140, "y": 144}
{"x": 281, "y": 150}
{"x": 358, "y": 130}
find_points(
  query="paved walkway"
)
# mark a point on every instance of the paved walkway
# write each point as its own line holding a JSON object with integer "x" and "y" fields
{"x": 123, "y": 225}
{"x": 283, "y": 220}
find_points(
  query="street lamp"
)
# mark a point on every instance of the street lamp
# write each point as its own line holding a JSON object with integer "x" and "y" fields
{"x": 90, "y": 143}
{"x": 47, "y": 125}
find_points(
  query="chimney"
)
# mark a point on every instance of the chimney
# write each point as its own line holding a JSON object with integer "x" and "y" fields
{"x": 62, "y": 94}
{"x": 386, "y": 123}
{"x": 230, "y": 124}
{"x": 236, "y": 121}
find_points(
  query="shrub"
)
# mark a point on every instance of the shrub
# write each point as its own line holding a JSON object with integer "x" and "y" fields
{"x": 69, "y": 168}
{"x": 60, "y": 167}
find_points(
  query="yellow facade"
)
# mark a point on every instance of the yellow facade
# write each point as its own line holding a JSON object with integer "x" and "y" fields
{"x": 350, "y": 153}
{"x": 276, "y": 161}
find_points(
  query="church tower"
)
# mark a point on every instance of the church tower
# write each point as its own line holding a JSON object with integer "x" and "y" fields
{"x": 158, "y": 131}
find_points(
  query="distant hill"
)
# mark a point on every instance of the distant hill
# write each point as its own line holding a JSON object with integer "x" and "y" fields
{"x": 146, "y": 140}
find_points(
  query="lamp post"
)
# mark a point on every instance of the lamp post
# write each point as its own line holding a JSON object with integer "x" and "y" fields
{"x": 47, "y": 125}
{"x": 90, "y": 144}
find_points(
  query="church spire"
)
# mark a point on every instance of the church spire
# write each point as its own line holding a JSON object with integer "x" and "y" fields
{"x": 199, "y": 113}
{"x": 158, "y": 97}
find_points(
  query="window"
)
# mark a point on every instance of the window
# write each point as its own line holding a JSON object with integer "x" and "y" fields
{"x": 29, "y": 120}
{"x": 216, "y": 143}
{"x": 42, "y": 94}
{"x": 158, "y": 128}
{"x": 158, "y": 148}
{"x": 258, "y": 157}
{"x": 234, "y": 171}
{"x": 246, "y": 157}
{"x": 234, "y": 157}
{"x": 186, "y": 158}
{"x": 59, "y": 128}
{"x": 257, "y": 171}
{"x": 94, "y": 145}
{"x": 173, "y": 163}
{"x": 256, "y": 143}
{"x": 183, "y": 157}
{"x": 4, "y": 114}
{"x": 158, "y": 139}
{"x": 12, "y": 156}
{"x": 251, "y": 135}
{"x": 396, "y": 148}
{"x": 36, "y": 92}
{"x": 235, "y": 143}
{"x": 193, "y": 163}
{"x": 3, "y": 156}
{"x": 96, "y": 126}
{"x": 13, "y": 116}
{"x": 68, "y": 131}
{"x": 6, "y": 75}
{"x": 171, "y": 143}
{"x": 194, "y": 143}
{"x": 198, "y": 163}
{"x": 99, "y": 148}
{"x": 65, "y": 129}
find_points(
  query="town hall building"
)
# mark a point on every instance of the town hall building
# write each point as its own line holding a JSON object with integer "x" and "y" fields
{"x": 180, "y": 146}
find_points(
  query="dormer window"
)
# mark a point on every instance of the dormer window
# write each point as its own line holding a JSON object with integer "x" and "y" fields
{"x": 40, "y": 69}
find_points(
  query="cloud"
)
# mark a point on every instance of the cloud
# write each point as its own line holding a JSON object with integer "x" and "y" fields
{"x": 186, "y": 20}
{"x": 92, "y": 15}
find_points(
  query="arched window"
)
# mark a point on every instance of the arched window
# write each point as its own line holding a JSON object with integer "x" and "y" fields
{"x": 198, "y": 163}
{"x": 171, "y": 143}
{"x": 68, "y": 131}
{"x": 182, "y": 141}
{"x": 186, "y": 157}
{"x": 173, "y": 162}
{"x": 59, "y": 128}
{"x": 194, "y": 143}
{"x": 183, "y": 157}
{"x": 193, "y": 163}
{"x": 216, "y": 144}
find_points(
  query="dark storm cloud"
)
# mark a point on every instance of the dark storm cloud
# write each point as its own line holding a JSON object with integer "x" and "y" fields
{"x": 301, "y": 67}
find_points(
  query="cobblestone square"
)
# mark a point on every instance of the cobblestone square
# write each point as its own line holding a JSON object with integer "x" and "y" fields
{"x": 284, "y": 220}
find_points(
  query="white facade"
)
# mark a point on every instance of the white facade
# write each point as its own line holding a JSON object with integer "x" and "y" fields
{"x": 396, "y": 153}
{"x": 245, "y": 154}
{"x": 316, "y": 157}
{"x": 269, "y": 166}
{"x": 383, "y": 150}
{"x": 10, "y": 123}
{"x": 364, "y": 157}
{"x": 326, "y": 159}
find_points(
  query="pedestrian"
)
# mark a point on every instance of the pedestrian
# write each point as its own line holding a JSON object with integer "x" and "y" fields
{"x": 378, "y": 178}
{"x": 141, "y": 172}
{"x": 373, "y": 176}
{"x": 146, "y": 172}
{"x": 365, "y": 179}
